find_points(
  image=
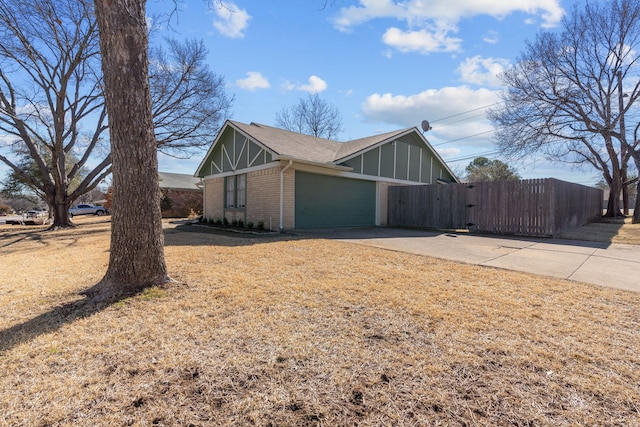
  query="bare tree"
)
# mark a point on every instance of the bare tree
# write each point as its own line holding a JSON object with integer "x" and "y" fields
{"x": 311, "y": 116}
{"x": 572, "y": 93}
{"x": 136, "y": 258}
{"x": 50, "y": 83}
{"x": 189, "y": 101}
{"x": 52, "y": 103}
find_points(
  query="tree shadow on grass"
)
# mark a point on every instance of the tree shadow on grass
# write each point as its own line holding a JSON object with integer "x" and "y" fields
{"x": 603, "y": 230}
{"x": 51, "y": 321}
{"x": 199, "y": 235}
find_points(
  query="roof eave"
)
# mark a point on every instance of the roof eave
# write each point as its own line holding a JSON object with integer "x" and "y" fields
{"x": 312, "y": 163}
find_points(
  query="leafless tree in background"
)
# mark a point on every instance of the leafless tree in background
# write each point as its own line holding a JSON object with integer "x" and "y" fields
{"x": 311, "y": 116}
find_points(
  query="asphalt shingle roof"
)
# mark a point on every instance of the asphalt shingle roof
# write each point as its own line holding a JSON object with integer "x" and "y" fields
{"x": 178, "y": 181}
{"x": 306, "y": 147}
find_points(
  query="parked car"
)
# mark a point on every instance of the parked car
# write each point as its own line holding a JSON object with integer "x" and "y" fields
{"x": 85, "y": 209}
{"x": 36, "y": 214}
{"x": 33, "y": 217}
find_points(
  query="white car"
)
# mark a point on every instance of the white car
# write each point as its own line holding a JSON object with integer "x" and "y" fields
{"x": 87, "y": 210}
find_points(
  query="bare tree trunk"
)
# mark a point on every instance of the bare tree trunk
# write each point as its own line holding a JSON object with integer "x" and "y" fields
{"x": 613, "y": 205}
{"x": 636, "y": 208}
{"x": 137, "y": 243}
{"x": 625, "y": 191}
{"x": 60, "y": 212}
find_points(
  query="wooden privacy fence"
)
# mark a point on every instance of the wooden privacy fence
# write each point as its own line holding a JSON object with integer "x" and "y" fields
{"x": 531, "y": 207}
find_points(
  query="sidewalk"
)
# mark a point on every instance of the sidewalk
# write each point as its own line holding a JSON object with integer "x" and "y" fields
{"x": 605, "y": 264}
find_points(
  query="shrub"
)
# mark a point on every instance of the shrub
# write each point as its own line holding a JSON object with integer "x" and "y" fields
{"x": 250, "y": 225}
{"x": 166, "y": 203}
{"x": 240, "y": 223}
{"x": 225, "y": 221}
{"x": 234, "y": 222}
{"x": 5, "y": 209}
{"x": 261, "y": 225}
{"x": 218, "y": 221}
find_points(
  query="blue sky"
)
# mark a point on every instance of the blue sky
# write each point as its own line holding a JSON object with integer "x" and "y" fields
{"x": 385, "y": 64}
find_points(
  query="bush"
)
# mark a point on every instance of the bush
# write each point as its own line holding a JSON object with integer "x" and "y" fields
{"x": 234, "y": 222}
{"x": 166, "y": 203}
{"x": 250, "y": 225}
{"x": 225, "y": 221}
{"x": 240, "y": 223}
{"x": 261, "y": 225}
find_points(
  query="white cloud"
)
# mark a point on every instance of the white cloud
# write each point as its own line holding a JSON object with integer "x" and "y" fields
{"x": 315, "y": 85}
{"x": 288, "y": 86}
{"x": 231, "y": 21}
{"x": 254, "y": 81}
{"x": 491, "y": 37}
{"x": 448, "y": 152}
{"x": 416, "y": 11}
{"x": 421, "y": 41}
{"x": 370, "y": 9}
{"x": 429, "y": 24}
{"x": 482, "y": 71}
{"x": 435, "y": 105}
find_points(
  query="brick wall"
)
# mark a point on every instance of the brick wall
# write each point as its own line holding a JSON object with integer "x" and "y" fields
{"x": 214, "y": 198}
{"x": 263, "y": 199}
{"x": 289, "y": 198}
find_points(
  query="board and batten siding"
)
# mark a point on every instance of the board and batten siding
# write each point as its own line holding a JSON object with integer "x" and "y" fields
{"x": 401, "y": 160}
{"x": 234, "y": 151}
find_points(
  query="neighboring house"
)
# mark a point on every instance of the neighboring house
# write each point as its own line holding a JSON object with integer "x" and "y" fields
{"x": 181, "y": 195}
{"x": 254, "y": 172}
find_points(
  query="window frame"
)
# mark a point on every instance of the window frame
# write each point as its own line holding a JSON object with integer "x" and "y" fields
{"x": 235, "y": 191}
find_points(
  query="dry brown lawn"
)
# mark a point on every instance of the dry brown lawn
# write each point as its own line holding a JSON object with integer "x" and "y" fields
{"x": 285, "y": 331}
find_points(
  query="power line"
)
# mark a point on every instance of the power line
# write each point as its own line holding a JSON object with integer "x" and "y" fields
{"x": 475, "y": 116}
{"x": 465, "y": 112}
{"x": 473, "y": 156}
{"x": 464, "y": 137}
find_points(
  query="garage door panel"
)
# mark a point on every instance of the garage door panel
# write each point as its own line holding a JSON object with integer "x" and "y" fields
{"x": 329, "y": 201}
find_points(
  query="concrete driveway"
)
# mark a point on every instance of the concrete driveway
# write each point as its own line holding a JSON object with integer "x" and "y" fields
{"x": 605, "y": 264}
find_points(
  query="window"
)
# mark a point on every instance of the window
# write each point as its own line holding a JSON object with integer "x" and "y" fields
{"x": 241, "y": 191}
{"x": 236, "y": 191}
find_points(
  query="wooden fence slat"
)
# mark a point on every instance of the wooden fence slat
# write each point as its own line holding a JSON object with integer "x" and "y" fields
{"x": 534, "y": 207}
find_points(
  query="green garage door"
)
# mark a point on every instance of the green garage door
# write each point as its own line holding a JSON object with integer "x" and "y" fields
{"x": 330, "y": 201}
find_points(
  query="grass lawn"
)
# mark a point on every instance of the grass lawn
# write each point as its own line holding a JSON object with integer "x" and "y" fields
{"x": 286, "y": 331}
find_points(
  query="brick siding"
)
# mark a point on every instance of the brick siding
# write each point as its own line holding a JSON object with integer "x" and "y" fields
{"x": 263, "y": 199}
